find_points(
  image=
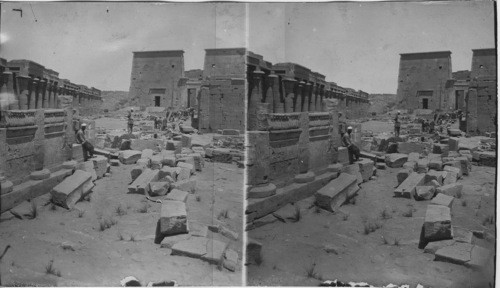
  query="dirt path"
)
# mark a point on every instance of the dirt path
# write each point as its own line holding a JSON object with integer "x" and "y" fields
{"x": 290, "y": 249}
{"x": 91, "y": 257}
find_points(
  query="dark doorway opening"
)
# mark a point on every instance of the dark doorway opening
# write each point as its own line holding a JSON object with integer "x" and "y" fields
{"x": 425, "y": 103}
{"x": 157, "y": 101}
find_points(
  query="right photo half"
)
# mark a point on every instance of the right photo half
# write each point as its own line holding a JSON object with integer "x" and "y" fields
{"x": 371, "y": 144}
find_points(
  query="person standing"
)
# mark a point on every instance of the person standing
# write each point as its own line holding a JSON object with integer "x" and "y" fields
{"x": 130, "y": 121}
{"x": 352, "y": 149}
{"x": 88, "y": 149}
{"x": 397, "y": 125}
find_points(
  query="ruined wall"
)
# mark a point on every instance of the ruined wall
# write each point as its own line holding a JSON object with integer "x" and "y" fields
{"x": 484, "y": 63}
{"x": 423, "y": 76}
{"x": 224, "y": 63}
{"x": 481, "y": 106}
{"x": 157, "y": 74}
{"x": 221, "y": 105}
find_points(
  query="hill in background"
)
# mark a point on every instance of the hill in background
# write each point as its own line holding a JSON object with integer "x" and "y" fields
{"x": 381, "y": 103}
{"x": 114, "y": 100}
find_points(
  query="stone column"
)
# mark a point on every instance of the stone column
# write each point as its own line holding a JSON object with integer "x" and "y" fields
{"x": 255, "y": 98}
{"x": 34, "y": 93}
{"x": 23, "y": 83}
{"x": 42, "y": 95}
{"x": 307, "y": 97}
{"x": 304, "y": 175}
{"x": 314, "y": 90}
{"x": 270, "y": 92}
{"x": 289, "y": 94}
{"x": 7, "y": 89}
{"x": 279, "y": 99}
{"x": 319, "y": 106}
{"x": 257, "y": 165}
{"x": 298, "y": 97}
{"x": 275, "y": 92}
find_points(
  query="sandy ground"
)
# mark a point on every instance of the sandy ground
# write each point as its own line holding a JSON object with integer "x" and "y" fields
{"x": 86, "y": 256}
{"x": 290, "y": 249}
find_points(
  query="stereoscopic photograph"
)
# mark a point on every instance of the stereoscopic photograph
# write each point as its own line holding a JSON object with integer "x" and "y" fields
{"x": 341, "y": 144}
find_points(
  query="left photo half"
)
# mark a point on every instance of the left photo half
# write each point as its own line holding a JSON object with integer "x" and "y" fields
{"x": 122, "y": 143}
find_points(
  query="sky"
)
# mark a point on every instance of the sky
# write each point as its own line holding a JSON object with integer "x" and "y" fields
{"x": 356, "y": 45}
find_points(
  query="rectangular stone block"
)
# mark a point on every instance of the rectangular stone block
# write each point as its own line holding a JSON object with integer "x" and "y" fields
{"x": 410, "y": 166}
{"x": 169, "y": 171}
{"x": 366, "y": 168}
{"x": 436, "y": 164}
{"x": 199, "y": 150}
{"x": 407, "y": 188}
{"x": 453, "y": 143}
{"x": 438, "y": 148}
{"x": 395, "y": 160}
{"x": 343, "y": 156}
{"x": 412, "y": 147}
{"x": 188, "y": 185}
{"x": 186, "y": 141}
{"x": 422, "y": 165}
{"x": 177, "y": 195}
{"x": 451, "y": 177}
{"x": 156, "y": 162}
{"x": 173, "y": 218}
{"x": 335, "y": 193}
{"x": 222, "y": 155}
{"x": 129, "y": 156}
{"x": 353, "y": 169}
{"x": 184, "y": 174}
{"x": 100, "y": 165}
{"x": 141, "y": 144}
{"x": 402, "y": 175}
{"x": 450, "y": 189}
{"x": 72, "y": 189}
{"x": 435, "y": 175}
{"x": 136, "y": 171}
{"x": 444, "y": 200}
{"x": 453, "y": 169}
{"x": 88, "y": 166}
{"x": 147, "y": 154}
{"x": 158, "y": 188}
{"x": 77, "y": 152}
{"x": 437, "y": 223}
{"x": 141, "y": 184}
{"x": 174, "y": 145}
{"x": 458, "y": 253}
{"x": 413, "y": 157}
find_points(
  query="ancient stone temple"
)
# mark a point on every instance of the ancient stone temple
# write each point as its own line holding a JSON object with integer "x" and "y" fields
{"x": 293, "y": 132}
{"x": 157, "y": 79}
{"x": 36, "y": 129}
{"x": 422, "y": 80}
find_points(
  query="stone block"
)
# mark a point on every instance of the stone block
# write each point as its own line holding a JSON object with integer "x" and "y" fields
{"x": 450, "y": 189}
{"x": 462, "y": 235}
{"x": 458, "y": 253}
{"x": 410, "y": 166}
{"x": 454, "y": 132}
{"x": 444, "y": 200}
{"x": 173, "y": 145}
{"x": 156, "y": 162}
{"x": 366, "y": 168}
{"x": 158, "y": 188}
{"x": 173, "y": 218}
{"x": 353, "y": 169}
{"x": 199, "y": 150}
{"x": 185, "y": 185}
{"x": 197, "y": 229}
{"x": 147, "y": 154}
{"x": 253, "y": 251}
{"x": 77, "y": 152}
{"x": 194, "y": 247}
{"x": 141, "y": 184}
{"x": 186, "y": 141}
{"x": 228, "y": 233}
{"x": 261, "y": 191}
{"x": 402, "y": 175}
{"x": 395, "y": 160}
{"x": 343, "y": 156}
{"x": 335, "y": 193}
{"x": 144, "y": 162}
{"x": 100, "y": 165}
{"x": 451, "y": 177}
{"x": 436, "y": 164}
{"x": 114, "y": 162}
{"x": 230, "y": 132}
{"x": 186, "y": 151}
{"x": 486, "y": 158}
{"x": 177, "y": 195}
{"x": 453, "y": 144}
{"x": 88, "y": 166}
{"x": 439, "y": 176}
{"x": 422, "y": 165}
{"x": 465, "y": 164}
{"x": 186, "y": 129}
{"x": 437, "y": 223}
{"x": 169, "y": 171}
{"x": 215, "y": 251}
{"x": 142, "y": 144}
{"x": 304, "y": 177}
{"x": 434, "y": 183}
{"x": 382, "y": 166}
{"x": 424, "y": 192}
{"x": 432, "y": 247}
{"x": 480, "y": 258}
{"x": 72, "y": 189}
{"x": 413, "y": 157}
{"x": 198, "y": 161}
{"x": 136, "y": 171}
{"x": 222, "y": 155}
{"x": 439, "y": 148}
{"x": 409, "y": 147}
{"x": 337, "y": 167}
{"x": 40, "y": 175}
{"x": 69, "y": 165}
{"x": 455, "y": 170}
{"x": 129, "y": 156}
{"x": 186, "y": 165}
{"x": 125, "y": 144}
{"x": 286, "y": 213}
{"x": 230, "y": 260}
{"x": 184, "y": 174}
{"x": 407, "y": 188}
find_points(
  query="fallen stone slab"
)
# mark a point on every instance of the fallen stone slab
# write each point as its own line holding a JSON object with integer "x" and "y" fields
{"x": 337, "y": 167}
{"x": 222, "y": 155}
{"x": 69, "y": 165}
{"x": 444, "y": 200}
{"x": 422, "y": 165}
{"x": 486, "y": 158}
{"x": 145, "y": 162}
{"x": 40, "y": 175}
{"x": 147, "y": 154}
{"x": 453, "y": 189}
{"x": 141, "y": 184}
{"x": 88, "y": 166}
{"x": 184, "y": 174}
{"x": 438, "y": 148}
{"x": 169, "y": 171}
{"x": 186, "y": 129}
{"x": 407, "y": 188}
{"x": 197, "y": 229}
{"x": 136, "y": 171}
{"x": 286, "y": 213}
{"x": 395, "y": 160}
{"x": 343, "y": 156}
{"x": 156, "y": 162}
{"x": 188, "y": 166}
{"x": 424, "y": 192}
{"x": 199, "y": 150}
{"x": 129, "y": 156}
{"x": 458, "y": 253}
{"x": 381, "y": 166}
{"x": 158, "y": 188}
{"x": 142, "y": 144}
{"x": 72, "y": 189}
{"x": 230, "y": 260}
{"x": 432, "y": 247}
{"x": 437, "y": 223}
{"x": 114, "y": 162}
{"x": 100, "y": 165}
{"x": 453, "y": 144}
{"x": 454, "y": 132}
{"x": 193, "y": 247}
{"x": 188, "y": 185}
{"x": 186, "y": 141}
{"x": 253, "y": 252}
{"x": 353, "y": 170}
{"x": 259, "y": 222}
{"x": 177, "y": 195}
{"x": 261, "y": 191}
{"x": 215, "y": 252}
{"x": 337, "y": 192}
{"x": 454, "y": 171}
{"x": 173, "y": 218}
{"x": 412, "y": 147}
{"x": 24, "y": 210}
